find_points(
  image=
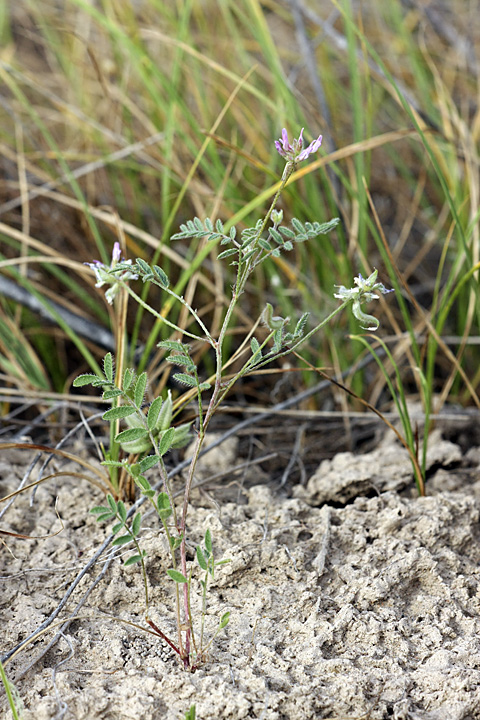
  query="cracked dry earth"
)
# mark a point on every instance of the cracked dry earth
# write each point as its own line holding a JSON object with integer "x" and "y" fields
{"x": 352, "y": 599}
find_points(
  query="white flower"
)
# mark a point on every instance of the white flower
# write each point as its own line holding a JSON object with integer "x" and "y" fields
{"x": 366, "y": 290}
{"x": 105, "y": 275}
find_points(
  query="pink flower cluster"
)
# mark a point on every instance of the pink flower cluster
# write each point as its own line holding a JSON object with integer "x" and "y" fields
{"x": 295, "y": 153}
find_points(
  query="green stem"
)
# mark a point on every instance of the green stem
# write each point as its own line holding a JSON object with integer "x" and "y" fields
{"x": 204, "y": 609}
{"x": 193, "y": 463}
{"x": 9, "y": 694}
{"x": 243, "y": 275}
{"x": 248, "y": 367}
{"x": 218, "y": 394}
{"x": 144, "y": 573}
{"x": 190, "y": 618}
{"x": 174, "y": 564}
{"x": 142, "y": 562}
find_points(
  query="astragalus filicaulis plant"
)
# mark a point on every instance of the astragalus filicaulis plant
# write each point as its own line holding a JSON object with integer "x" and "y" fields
{"x": 149, "y": 434}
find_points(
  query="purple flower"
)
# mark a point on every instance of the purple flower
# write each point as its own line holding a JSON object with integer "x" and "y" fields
{"x": 295, "y": 153}
{"x": 104, "y": 275}
{"x": 116, "y": 254}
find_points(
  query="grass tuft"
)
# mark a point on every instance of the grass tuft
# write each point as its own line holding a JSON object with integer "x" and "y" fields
{"x": 121, "y": 121}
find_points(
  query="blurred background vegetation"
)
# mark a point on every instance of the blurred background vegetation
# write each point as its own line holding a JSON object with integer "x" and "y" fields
{"x": 121, "y": 120}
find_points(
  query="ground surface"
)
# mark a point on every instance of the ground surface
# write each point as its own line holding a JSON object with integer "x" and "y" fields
{"x": 351, "y": 599}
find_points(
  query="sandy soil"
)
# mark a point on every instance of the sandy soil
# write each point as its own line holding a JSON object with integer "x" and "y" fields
{"x": 351, "y": 599}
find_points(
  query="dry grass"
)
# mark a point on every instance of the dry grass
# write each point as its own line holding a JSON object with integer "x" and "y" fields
{"x": 120, "y": 121}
